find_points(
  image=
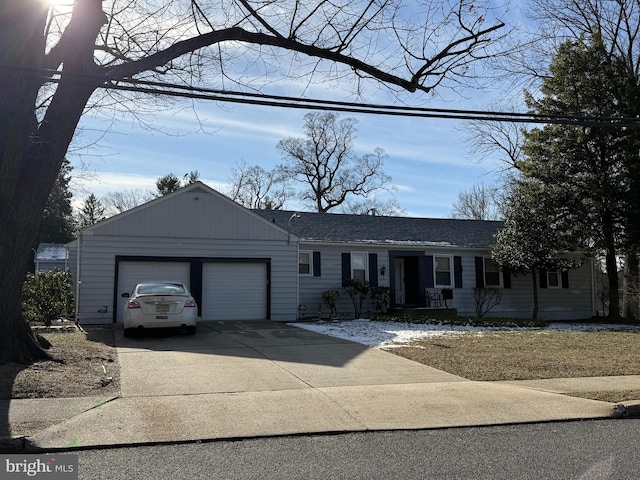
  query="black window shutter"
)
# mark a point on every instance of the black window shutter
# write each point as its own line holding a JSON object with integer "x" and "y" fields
{"x": 565, "y": 279}
{"x": 316, "y": 264}
{"x": 428, "y": 271}
{"x": 543, "y": 278}
{"x": 457, "y": 272}
{"x": 479, "y": 272}
{"x": 373, "y": 269}
{"x": 346, "y": 267}
{"x": 506, "y": 277}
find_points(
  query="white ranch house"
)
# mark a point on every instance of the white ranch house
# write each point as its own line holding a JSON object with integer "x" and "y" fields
{"x": 245, "y": 264}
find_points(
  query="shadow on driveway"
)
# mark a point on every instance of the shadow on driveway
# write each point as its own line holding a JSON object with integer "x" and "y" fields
{"x": 234, "y": 357}
{"x": 250, "y": 339}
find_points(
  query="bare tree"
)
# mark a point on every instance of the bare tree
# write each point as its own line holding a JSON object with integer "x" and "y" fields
{"x": 53, "y": 62}
{"x": 324, "y": 161}
{"x": 121, "y": 201}
{"x": 375, "y": 206}
{"x": 499, "y": 140}
{"x": 616, "y": 22}
{"x": 254, "y": 187}
{"x": 479, "y": 203}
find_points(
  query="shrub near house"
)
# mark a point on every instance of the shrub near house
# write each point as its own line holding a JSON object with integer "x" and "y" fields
{"x": 47, "y": 296}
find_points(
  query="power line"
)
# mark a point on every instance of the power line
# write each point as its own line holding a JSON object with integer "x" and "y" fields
{"x": 280, "y": 101}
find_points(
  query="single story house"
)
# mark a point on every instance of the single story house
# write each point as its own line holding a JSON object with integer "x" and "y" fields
{"x": 243, "y": 264}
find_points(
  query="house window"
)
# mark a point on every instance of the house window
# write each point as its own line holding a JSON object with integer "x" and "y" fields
{"x": 553, "y": 279}
{"x": 305, "y": 263}
{"x": 442, "y": 266}
{"x": 491, "y": 273}
{"x": 359, "y": 265}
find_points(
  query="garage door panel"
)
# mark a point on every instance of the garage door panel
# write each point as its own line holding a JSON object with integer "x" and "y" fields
{"x": 234, "y": 291}
{"x": 131, "y": 273}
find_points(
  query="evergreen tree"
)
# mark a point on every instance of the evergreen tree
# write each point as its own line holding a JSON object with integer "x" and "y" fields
{"x": 588, "y": 165}
{"x": 57, "y": 225}
{"x": 170, "y": 183}
{"x": 91, "y": 212}
{"x": 534, "y": 233}
{"x": 167, "y": 184}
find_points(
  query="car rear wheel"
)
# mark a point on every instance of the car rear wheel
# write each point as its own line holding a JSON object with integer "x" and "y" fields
{"x": 191, "y": 330}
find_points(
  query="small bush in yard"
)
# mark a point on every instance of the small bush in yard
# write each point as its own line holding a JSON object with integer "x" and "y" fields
{"x": 47, "y": 296}
{"x": 330, "y": 299}
{"x": 357, "y": 290}
{"x": 380, "y": 298}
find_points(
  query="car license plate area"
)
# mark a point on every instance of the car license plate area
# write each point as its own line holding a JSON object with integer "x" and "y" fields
{"x": 162, "y": 317}
{"x": 162, "y": 308}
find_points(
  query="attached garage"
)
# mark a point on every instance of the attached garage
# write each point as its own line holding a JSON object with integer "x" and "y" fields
{"x": 234, "y": 291}
{"x": 237, "y": 264}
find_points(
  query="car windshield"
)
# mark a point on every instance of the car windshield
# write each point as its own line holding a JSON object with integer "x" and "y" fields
{"x": 160, "y": 289}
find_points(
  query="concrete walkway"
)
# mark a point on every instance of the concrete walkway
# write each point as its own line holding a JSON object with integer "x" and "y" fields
{"x": 249, "y": 379}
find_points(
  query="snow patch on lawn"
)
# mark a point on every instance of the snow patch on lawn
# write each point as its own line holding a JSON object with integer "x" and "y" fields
{"x": 398, "y": 334}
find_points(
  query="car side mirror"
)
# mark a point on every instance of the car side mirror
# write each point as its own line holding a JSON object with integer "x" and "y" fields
{"x": 125, "y": 295}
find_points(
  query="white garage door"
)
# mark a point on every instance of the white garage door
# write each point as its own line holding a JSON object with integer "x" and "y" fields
{"x": 130, "y": 273}
{"x": 234, "y": 291}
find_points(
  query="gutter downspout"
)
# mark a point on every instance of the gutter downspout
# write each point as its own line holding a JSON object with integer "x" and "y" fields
{"x": 297, "y": 279}
{"x": 594, "y": 311}
{"x": 78, "y": 281}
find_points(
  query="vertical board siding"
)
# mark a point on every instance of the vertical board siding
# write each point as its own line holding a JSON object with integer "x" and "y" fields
{"x": 190, "y": 215}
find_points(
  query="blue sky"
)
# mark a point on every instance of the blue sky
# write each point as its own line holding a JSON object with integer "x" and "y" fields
{"x": 428, "y": 159}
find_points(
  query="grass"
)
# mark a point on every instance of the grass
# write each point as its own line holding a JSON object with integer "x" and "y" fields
{"x": 78, "y": 368}
{"x": 531, "y": 355}
{"x": 528, "y": 355}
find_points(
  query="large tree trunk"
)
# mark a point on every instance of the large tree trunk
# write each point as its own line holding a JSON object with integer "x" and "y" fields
{"x": 32, "y": 152}
{"x": 611, "y": 261}
{"x": 630, "y": 286}
{"x": 534, "y": 275}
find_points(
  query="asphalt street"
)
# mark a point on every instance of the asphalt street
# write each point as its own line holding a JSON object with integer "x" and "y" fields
{"x": 581, "y": 450}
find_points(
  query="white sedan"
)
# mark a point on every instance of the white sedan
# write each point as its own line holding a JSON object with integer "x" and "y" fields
{"x": 160, "y": 305}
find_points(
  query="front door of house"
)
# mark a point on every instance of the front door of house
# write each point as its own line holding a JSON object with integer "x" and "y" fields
{"x": 398, "y": 281}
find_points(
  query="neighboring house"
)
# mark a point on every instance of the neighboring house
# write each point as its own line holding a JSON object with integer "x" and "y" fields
{"x": 245, "y": 264}
{"x": 50, "y": 256}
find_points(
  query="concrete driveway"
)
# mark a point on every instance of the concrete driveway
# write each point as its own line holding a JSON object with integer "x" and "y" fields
{"x": 232, "y": 357}
{"x": 248, "y": 379}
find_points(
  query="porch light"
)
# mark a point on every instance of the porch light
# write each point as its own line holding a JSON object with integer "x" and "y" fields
{"x": 383, "y": 270}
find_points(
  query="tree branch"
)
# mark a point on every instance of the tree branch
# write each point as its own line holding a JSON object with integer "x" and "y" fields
{"x": 163, "y": 57}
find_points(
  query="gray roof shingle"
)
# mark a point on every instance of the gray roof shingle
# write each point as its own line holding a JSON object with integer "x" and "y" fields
{"x": 371, "y": 229}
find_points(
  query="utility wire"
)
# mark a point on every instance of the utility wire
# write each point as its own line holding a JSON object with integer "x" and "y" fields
{"x": 230, "y": 96}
